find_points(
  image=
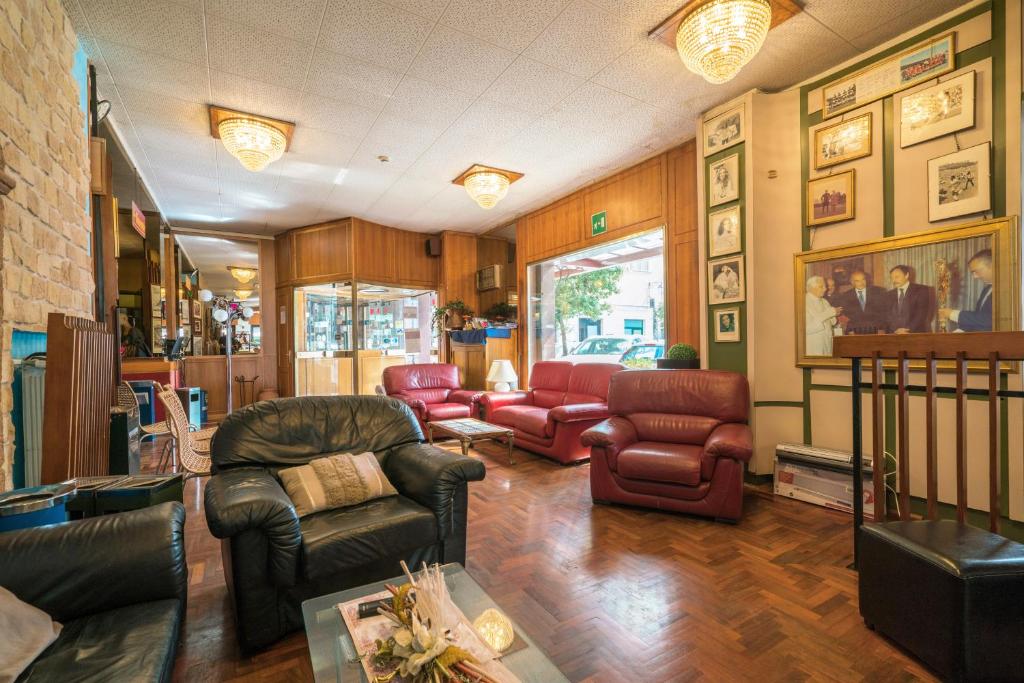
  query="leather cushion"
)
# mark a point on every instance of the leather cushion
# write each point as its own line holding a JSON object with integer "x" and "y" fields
{"x": 446, "y": 411}
{"x": 530, "y": 419}
{"x": 134, "y": 643}
{"x": 546, "y": 398}
{"x": 592, "y": 379}
{"x": 403, "y": 378}
{"x": 959, "y": 549}
{"x": 718, "y": 394}
{"x": 335, "y": 540}
{"x": 673, "y": 463}
{"x": 428, "y": 396}
{"x": 672, "y": 428}
{"x": 550, "y": 374}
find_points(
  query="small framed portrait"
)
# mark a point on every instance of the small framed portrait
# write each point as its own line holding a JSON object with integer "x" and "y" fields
{"x": 724, "y": 180}
{"x": 197, "y": 328}
{"x": 843, "y": 141}
{"x": 958, "y": 183}
{"x": 942, "y": 109}
{"x": 725, "y": 281}
{"x": 727, "y": 324}
{"x": 831, "y": 198}
{"x": 197, "y": 308}
{"x": 725, "y": 130}
{"x": 724, "y": 232}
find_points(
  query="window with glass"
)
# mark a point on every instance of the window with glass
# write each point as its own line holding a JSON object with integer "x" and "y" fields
{"x": 597, "y": 304}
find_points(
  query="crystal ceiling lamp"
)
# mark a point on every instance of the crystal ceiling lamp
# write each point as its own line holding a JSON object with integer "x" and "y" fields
{"x": 487, "y": 186}
{"x": 243, "y": 294}
{"x": 255, "y": 141}
{"x": 243, "y": 275}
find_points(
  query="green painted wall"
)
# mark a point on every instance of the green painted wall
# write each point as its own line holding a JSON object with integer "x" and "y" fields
{"x": 728, "y": 355}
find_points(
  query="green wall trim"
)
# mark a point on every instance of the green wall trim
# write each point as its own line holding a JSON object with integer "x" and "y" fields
{"x": 999, "y": 107}
{"x": 888, "y": 169}
{"x": 845, "y": 388}
{"x": 778, "y": 404}
{"x": 807, "y": 405}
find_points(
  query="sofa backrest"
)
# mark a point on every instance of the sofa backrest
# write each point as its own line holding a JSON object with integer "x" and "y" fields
{"x": 421, "y": 376}
{"x": 679, "y": 406}
{"x": 589, "y": 382}
{"x": 549, "y": 380}
{"x": 292, "y": 431}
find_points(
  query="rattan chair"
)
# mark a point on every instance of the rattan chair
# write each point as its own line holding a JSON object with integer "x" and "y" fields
{"x": 191, "y": 449}
{"x": 126, "y": 398}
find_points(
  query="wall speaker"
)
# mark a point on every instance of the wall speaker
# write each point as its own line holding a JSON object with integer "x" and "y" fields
{"x": 433, "y": 246}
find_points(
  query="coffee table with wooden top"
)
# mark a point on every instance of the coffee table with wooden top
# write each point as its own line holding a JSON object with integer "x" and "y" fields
{"x": 468, "y": 429}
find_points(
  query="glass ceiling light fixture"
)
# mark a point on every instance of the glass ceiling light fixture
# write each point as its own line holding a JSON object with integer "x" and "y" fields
{"x": 485, "y": 185}
{"x": 242, "y": 294}
{"x": 717, "y": 38}
{"x": 256, "y": 141}
{"x": 242, "y": 274}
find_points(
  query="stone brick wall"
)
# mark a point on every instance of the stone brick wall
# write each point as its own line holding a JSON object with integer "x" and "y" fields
{"x": 45, "y": 230}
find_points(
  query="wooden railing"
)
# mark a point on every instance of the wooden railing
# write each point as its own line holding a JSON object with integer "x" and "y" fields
{"x": 988, "y": 351}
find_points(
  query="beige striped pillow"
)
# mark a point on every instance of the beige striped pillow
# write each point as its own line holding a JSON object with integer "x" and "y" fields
{"x": 335, "y": 481}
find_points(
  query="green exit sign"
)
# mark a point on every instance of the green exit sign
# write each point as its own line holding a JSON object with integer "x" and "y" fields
{"x": 598, "y": 223}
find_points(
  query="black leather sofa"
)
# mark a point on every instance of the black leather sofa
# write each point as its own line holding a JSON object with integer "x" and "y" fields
{"x": 116, "y": 583}
{"x": 273, "y": 560}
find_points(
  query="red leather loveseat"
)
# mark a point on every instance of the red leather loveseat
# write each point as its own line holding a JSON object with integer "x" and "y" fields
{"x": 677, "y": 440}
{"x": 564, "y": 400}
{"x": 432, "y": 390}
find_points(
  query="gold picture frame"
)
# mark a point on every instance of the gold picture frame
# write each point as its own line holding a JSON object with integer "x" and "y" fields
{"x": 950, "y": 282}
{"x": 843, "y": 141}
{"x": 823, "y": 207}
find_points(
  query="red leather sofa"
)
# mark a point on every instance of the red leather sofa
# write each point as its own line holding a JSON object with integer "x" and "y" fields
{"x": 677, "y": 440}
{"x": 432, "y": 390}
{"x": 564, "y": 400}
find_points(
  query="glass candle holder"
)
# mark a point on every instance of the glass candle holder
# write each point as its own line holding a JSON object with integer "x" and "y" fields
{"x": 496, "y": 629}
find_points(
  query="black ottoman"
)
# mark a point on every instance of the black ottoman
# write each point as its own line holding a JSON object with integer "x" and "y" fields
{"x": 953, "y": 595}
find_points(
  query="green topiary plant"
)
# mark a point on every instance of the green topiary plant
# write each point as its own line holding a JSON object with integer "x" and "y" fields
{"x": 456, "y": 306}
{"x": 682, "y": 352}
{"x": 500, "y": 311}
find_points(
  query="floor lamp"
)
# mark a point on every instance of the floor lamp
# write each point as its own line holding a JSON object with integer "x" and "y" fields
{"x": 224, "y": 312}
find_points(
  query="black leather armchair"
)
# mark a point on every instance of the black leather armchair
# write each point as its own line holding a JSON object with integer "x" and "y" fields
{"x": 273, "y": 560}
{"x": 117, "y": 584}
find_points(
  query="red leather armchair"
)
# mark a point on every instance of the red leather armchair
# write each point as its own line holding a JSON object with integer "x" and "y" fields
{"x": 677, "y": 440}
{"x": 564, "y": 400}
{"x": 432, "y": 390}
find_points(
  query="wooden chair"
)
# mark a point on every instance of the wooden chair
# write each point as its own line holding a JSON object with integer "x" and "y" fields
{"x": 191, "y": 449}
{"x": 950, "y": 593}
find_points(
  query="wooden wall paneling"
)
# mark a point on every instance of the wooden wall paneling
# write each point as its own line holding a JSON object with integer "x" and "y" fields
{"x": 557, "y": 228}
{"x": 283, "y": 323}
{"x": 458, "y": 269}
{"x": 210, "y": 373}
{"x": 284, "y": 265}
{"x": 169, "y": 273}
{"x": 268, "y": 315}
{"x": 632, "y": 197}
{"x": 682, "y": 294}
{"x": 373, "y": 250}
{"x": 109, "y": 217}
{"x": 491, "y": 251}
{"x": 414, "y": 265}
{"x": 322, "y": 252}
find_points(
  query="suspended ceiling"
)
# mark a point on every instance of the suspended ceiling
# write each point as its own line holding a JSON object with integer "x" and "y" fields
{"x": 565, "y": 91}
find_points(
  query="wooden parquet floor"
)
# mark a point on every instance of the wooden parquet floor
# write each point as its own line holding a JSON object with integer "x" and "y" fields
{"x": 615, "y": 594}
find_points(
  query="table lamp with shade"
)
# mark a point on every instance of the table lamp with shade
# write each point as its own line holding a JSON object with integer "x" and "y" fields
{"x": 502, "y": 374}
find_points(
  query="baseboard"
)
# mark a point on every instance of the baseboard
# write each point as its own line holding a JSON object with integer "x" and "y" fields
{"x": 757, "y": 479}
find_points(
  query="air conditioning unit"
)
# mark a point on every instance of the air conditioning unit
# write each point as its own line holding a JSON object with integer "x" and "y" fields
{"x": 488, "y": 278}
{"x": 820, "y": 476}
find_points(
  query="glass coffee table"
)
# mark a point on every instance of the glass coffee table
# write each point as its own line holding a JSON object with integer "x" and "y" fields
{"x": 469, "y": 429}
{"x": 334, "y": 656}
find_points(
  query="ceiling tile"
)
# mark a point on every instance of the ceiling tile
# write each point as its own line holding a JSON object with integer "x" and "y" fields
{"x": 169, "y": 113}
{"x": 153, "y": 73}
{"x": 639, "y": 16}
{"x": 582, "y": 40}
{"x": 460, "y": 61}
{"x": 255, "y": 97}
{"x": 401, "y": 140}
{"x": 431, "y": 9}
{"x": 315, "y": 145}
{"x": 300, "y": 21}
{"x": 491, "y": 122}
{"x": 335, "y": 116}
{"x": 531, "y": 86}
{"x": 917, "y": 13}
{"x": 164, "y": 28}
{"x": 331, "y": 72}
{"x": 850, "y": 19}
{"x": 652, "y": 72}
{"x": 374, "y": 32}
{"x": 512, "y": 25}
{"x": 257, "y": 55}
{"x": 592, "y": 107}
{"x": 420, "y": 100}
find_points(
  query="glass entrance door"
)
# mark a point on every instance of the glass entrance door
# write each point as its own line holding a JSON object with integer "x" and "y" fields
{"x": 393, "y": 329}
{"x": 324, "y": 351}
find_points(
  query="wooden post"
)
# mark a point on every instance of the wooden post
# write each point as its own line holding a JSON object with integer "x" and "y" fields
{"x": 903, "y": 438}
{"x": 878, "y": 438}
{"x": 993, "y": 442}
{"x": 931, "y": 438}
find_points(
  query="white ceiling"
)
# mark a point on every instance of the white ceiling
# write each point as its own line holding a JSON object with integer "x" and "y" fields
{"x": 565, "y": 91}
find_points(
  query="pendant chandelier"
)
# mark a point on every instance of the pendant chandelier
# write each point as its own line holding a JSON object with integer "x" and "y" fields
{"x": 243, "y": 275}
{"x": 256, "y": 141}
{"x": 485, "y": 185}
{"x": 243, "y": 294}
{"x": 719, "y": 37}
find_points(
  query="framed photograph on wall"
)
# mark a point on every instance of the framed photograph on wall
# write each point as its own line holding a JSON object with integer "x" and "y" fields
{"x": 725, "y": 281}
{"x": 197, "y": 309}
{"x": 831, "y": 198}
{"x": 724, "y": 232}
{"x": 961, "y": 278}
{"x": 843, "y": 141}
{"x": 725, "y": 130}
{"x": 959, "y": 183}
{"x": 724, "y": 180}
{"x": 727, "y": 324}
{"x": 197, "y": 328}
{"x": 939, "y": 110}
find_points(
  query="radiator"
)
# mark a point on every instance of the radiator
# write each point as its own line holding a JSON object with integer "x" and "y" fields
{"x": 33, "y": 389}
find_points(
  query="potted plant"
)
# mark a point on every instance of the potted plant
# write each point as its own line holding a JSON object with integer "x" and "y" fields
{"x": 451, "y": 316}
{"x": 500, "y": 312}
{"x": 679, "y": 357}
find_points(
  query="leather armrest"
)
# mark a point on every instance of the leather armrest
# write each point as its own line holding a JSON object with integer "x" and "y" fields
{"x": 430, "y": 476}
{"x": 578, "y": 411}
{"x": 730, "y": 440}
{"x": 492, "y": 400}
{"x": 613, "y": 434}
{"x": 417, "y": 405}
{"x": 92, "y": 565}
{"x": 251, "y": 498}
{"x": 469, "y": 398}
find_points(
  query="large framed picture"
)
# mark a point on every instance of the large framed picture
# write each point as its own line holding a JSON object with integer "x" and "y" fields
{"x": 959, "y": 183}
{"x": 724, "y": 180}
{"x": 724, "y": 232}
{"x": 964, "y": 278}
{"x": 725, "y": 130}
{"x": 843, "y": 141}
{"x": 727, "y": 324}
{"x": 939, "y": 110}
{"x": 831, "y": 198}
{"x": 725, "y": 281}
